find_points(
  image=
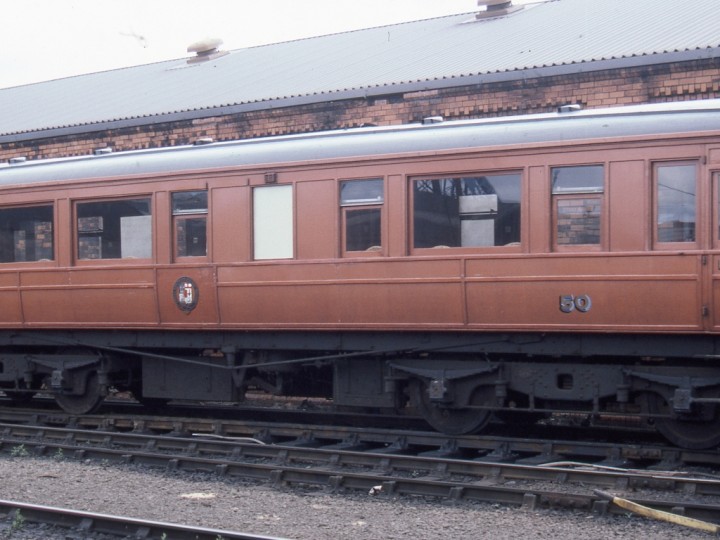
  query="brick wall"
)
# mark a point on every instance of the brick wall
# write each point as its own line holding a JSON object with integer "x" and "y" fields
{"x": 645, "y": 84}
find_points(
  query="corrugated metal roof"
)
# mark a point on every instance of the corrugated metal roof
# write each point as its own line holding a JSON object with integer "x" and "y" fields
{"x": 550, "y": 37}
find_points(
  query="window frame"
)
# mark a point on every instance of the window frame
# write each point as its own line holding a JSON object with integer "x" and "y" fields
{"x": 657, "y": 244}
{"x": 512, "y": 247}
{"x": 53, "y": 235}
{"x": 580, "y": 193}
{"x": 186, "y": 215}
{"x": 362, "y": 205}
{"x": 76, "y": 203}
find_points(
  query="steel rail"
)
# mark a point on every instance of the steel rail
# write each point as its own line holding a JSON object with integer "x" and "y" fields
{"x": 116, "y": 525}
{"x": 382, "y": 474}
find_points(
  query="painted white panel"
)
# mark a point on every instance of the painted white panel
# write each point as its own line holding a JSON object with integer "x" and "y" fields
{"x": 273, "y": 222}
{"x": 136, "y": 237}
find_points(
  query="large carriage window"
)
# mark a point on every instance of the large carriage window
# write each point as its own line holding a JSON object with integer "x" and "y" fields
{"x": 26, "y": 234}
{"x": 190, "y": 210}
{"x": 577, "y": 200}
{"x": 114, "y": 229}
{"x": 361, "y": 202}
{"x": 676, "y": 202}
{"x": 467, "y": 211}
{"x": 273, "y": 222}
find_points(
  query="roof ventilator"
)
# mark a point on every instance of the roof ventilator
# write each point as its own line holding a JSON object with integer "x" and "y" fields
{"x": 572, "y": 107}
{"x": 432, "y": 120}
{"x": 206, "y": 49}
{"x": 496, "y": 8}
{"x": 271, "y": 178}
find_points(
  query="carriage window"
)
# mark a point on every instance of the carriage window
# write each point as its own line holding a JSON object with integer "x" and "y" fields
{"x": 577, "y": 201}
{"x": 675, "y": 202}
{"x": 114, "y": 229}
{"x": 190, "y": 210}
{"x": 273, "y": 228}
{"x": 468, "y": 211}
{"x": 26, "y": 234}
{"x": 361, "y": 202}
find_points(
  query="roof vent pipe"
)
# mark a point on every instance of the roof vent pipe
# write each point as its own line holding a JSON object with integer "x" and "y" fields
{"x": 432, "y": 120}
{"x": 571, "y": 107}
{"x": 205, "y": 49}
{"x": 495, "y": 8}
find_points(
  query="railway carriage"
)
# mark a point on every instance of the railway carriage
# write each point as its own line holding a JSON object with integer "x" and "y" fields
{"x": 512, "y": 266}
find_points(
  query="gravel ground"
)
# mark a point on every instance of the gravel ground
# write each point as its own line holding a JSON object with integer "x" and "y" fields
{"x": 205, "y": 500}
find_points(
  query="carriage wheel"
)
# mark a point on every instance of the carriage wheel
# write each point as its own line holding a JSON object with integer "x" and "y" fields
{"x": 449, "y": 420}
{"x": 686, "y": 433}
{"x": 83, "y": 403}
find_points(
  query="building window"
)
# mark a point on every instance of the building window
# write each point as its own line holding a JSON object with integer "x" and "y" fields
{"x": 190, "y": 210}
{"x": 273, "y": 222}
{"x": 467, "y": 211}
{"x": 676, "y": 202}
{"x": 577, "y": 201}
{"x": 26, "y": 234}
{"x": 114, "y": 229}
{"x": 361, "y": 202}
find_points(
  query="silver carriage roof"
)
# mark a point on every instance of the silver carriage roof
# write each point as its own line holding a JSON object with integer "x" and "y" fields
{"x": 666, "y": 118}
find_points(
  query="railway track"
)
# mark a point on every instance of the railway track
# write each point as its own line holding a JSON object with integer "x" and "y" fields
{"x": 541, "y": 445}
{"x": 24, "y": 516}
{"x": 385, "y": 472}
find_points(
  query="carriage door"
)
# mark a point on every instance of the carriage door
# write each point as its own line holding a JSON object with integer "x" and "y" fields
{"x": 680, "y": 239}
{"x": 714, "y": 257}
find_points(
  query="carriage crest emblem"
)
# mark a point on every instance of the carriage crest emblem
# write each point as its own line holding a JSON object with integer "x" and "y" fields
{"x": 186, "y": 294}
